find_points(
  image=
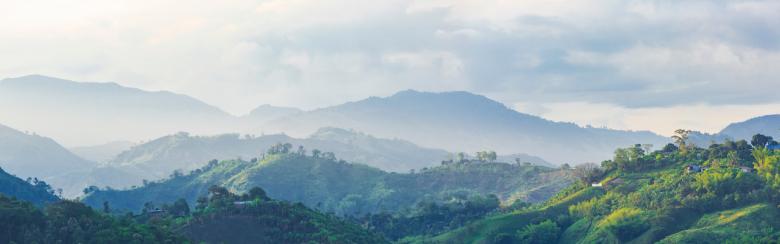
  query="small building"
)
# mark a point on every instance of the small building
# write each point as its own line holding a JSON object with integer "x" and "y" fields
{"x": 242, "y": 204}
{"x": 746, "y": 169}
{"x": 156, "y": 213}
{"x": 692, "y": 168}
{"x": 597, "y": 184}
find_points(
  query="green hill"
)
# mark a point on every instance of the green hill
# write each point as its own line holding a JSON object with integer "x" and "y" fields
{"x": 726, "y": 193}
{"x": 73, "y": 222}
{"x": 224, "y": 217}
{"x": 35, "y": 191}
{"x": 343, "y": 188}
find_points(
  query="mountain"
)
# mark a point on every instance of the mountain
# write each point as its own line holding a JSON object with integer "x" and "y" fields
{"x": 38, "y": 193}
{"x": 265, "y": 113}
{"x": 324, "y": 183}
{"x": 768, "y": 125}
{"x": 717, "y": 194}
{"x": 103, "y": 152}
{"x": 158, "y": 158}
{"x": 30, "y": 155}
{"x": 79, "y": 113}
{"x": 461, "y": 121}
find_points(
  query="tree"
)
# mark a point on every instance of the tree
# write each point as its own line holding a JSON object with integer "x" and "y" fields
{"x": 544, "y": 232}
{"x": 681, "y": 138}
{"x": 257, "y": 193}
{"x": 106, "y": 208}
{"x": 587, "y": 172}
{"x": 179, "y": 208}
{"x": 315, "y": 153}
{"x": 460, "y": 157}
{"x": 767, "y": 166}
{"x": 760, "y": 140}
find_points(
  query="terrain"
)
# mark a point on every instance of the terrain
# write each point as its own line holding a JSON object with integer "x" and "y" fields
{"x": 647, "y": 197}
{"x": 325, "y": 183}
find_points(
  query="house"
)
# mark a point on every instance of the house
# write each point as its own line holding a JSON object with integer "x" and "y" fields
{"x": 156, "y": 213}
{"x": 692, "y": 168}
{"x": 242, "y": 204}
{"x": 746, "y": 169}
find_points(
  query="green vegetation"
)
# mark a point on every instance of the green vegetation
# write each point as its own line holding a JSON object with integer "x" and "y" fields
{"x": 725, "y": 193}
{"x": 224, "y": 217}
{"x": 32, "y": 190}
{"x": 429, "y": 217}
{"x": 73, "y": 222}
{"x": 322, "y": 182}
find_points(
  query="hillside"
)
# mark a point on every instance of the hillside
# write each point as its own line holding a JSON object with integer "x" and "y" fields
{"x": 30, "y": 155}
{"x": 102, "y": 153}
{"x": 224, "y": 217}
{"x": 330, "y": 185}
{"x": 768, "y": 125}
{"x": 73, "y": 222}
{"x": 648, "y": 197}
{"x": 82, "y": 113}
{"x": 461, "y": 121}
{"x": 158, "y": 158}
{"x": 36, "y": 192}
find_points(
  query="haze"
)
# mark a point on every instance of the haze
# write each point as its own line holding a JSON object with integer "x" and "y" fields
{"x": 599, "y": 63}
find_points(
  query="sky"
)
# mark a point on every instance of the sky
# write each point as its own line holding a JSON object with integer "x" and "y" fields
{"x": 639, "y": 65}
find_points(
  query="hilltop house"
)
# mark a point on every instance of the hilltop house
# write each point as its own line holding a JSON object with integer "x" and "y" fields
{"x": 156, "y": 213}
{"x": 241, "y": 204}
{"x": 609, "y": 183}
{"x": 692, "y": 168}
{"x": 746, "y": 169}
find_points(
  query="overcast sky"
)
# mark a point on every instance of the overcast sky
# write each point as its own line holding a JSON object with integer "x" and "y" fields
{"x": 654, "y": 65}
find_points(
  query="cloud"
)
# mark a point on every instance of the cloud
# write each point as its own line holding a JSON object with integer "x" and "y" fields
{"x": 240, "y": 53}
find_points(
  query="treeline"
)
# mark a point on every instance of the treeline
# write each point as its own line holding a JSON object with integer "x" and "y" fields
{"x": 73, "y": 222}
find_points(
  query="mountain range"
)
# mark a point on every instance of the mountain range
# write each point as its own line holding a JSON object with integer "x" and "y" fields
{"x": 30, "y": 155}
{"x": 453, "y": 121}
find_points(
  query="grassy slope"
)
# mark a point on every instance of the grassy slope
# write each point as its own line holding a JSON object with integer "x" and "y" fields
{"x": 724, "y": 226}
{"x": 683, "y": 225}
{"x": 479, "y": 231}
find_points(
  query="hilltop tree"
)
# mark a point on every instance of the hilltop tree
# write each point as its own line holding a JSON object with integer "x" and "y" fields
{"x": 681, "y": 138}
{"x": 760, "y": 140}
{"x": 315, "y": 153}
{"x": 587, "y": 172}
{"x": 486, "y": 156}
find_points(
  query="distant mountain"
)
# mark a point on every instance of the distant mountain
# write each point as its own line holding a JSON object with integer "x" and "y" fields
{"x": 34, "y": 192}
{"x": 103, "y": 152}
{"x": 524, "y": 158}
{"x": 344, "y": 188}
{"x": 29, "y": 155}
{"x": 79, "y": 113}
{"x": 461, "y": 121}
{"x": 265, "y": 113}
{"x": 705, "y": 139}
{"x": 768, "y": 125}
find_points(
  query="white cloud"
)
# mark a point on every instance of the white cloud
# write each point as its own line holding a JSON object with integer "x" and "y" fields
{"x": 240, "y": 53}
